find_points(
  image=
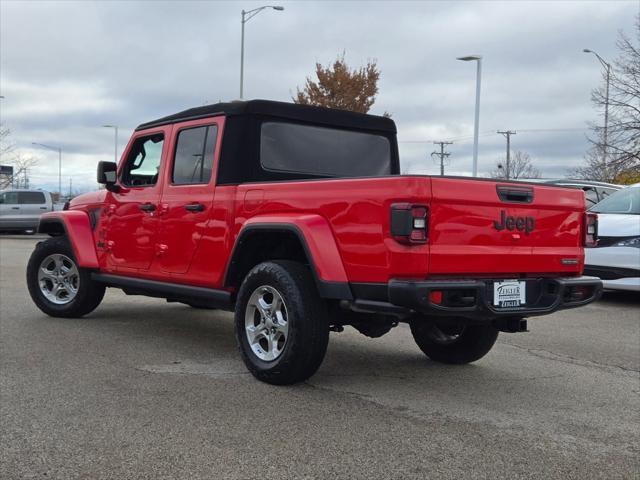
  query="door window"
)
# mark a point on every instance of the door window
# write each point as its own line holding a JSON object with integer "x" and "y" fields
{"x": 143, "y": 162}
{"x": 194, "y": 155}
{"x": 9, "y": 198}
{"x": 31, "y": 198}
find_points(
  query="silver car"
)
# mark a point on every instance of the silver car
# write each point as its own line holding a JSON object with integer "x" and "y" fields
{"x": 20, "y": 210}
{"x": 594, "y": 192}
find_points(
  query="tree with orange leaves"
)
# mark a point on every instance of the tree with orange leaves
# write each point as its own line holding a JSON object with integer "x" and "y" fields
{"x": 338, "y": 86}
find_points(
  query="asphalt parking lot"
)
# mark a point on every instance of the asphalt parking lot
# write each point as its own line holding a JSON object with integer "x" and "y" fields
{"x": 145, "y": 389}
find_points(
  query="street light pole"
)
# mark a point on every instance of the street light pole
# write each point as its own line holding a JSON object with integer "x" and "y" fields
{"x": 115, "y": 142}
{"x": 476, "y": 126}
{"x": 59, "y": 150}
{"x": 606, "y": 65}
{"x": 246, "y": 16}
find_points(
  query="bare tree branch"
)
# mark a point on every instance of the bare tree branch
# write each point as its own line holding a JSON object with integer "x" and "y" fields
{"x": 520, "y": 166}
{"x": 620, "y": 156}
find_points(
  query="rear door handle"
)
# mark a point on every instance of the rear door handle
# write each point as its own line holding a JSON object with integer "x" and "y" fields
{"x": 147, "y": 207}
{"x": 15, "y": 208}
{"x": 194, "y": 207}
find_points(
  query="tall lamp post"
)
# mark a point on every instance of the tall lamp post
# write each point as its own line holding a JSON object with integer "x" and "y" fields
{"x": 246, "y": 16}
{"x": 59, "y": 150}
{"x": 607, "y": 66}
{"x": 115, "y": 142}
{"x": 476, "y": 125}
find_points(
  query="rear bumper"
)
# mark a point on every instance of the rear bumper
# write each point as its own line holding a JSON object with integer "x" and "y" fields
{"x": 474, "y": 298}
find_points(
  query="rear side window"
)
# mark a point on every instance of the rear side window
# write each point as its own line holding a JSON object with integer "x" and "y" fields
{"x": 9, "y": 198}
{"x": 31, "y": 198}
{"x": 321, "y": 151}
{"x": 143, "y": 162}
{"x": 194, "y": 155}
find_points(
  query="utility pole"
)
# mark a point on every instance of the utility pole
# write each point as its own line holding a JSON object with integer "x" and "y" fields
{"x": 442, "y": 154}
{"x": 508, "y": 134}
{"x": 70, "y": 186}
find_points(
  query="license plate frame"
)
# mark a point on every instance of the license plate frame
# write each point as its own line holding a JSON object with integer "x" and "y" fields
{"x": 509, "y": 293}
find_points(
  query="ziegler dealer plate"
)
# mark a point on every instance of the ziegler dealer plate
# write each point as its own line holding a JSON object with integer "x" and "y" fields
{"x": 509, "y": 293}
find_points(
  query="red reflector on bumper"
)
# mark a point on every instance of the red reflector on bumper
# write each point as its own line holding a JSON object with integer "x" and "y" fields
{"x": 435, "y": 296}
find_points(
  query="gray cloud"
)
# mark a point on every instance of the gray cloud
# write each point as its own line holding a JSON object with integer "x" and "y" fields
{"x": 66, "y": 68}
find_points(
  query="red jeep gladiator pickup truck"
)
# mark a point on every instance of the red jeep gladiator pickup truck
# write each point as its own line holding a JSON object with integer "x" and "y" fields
{"x": 298, "y": 220}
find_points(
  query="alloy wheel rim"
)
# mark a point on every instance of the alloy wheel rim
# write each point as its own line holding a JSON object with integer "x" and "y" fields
{"x": 58, "y": 279}
{"x": 266, "y": 323}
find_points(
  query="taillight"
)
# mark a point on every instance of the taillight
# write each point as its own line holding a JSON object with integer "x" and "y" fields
{"x": 591, "y": 229}
{"x": 409, "y": 223}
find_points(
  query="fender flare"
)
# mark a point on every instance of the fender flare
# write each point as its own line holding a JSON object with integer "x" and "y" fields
{"x": 76, "y": 225}
{"x": 317, "y": 240}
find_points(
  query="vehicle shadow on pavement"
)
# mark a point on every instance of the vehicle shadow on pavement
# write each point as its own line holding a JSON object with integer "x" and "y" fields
{"x": 178, "y": 333}
{"x": 620, "y": 297}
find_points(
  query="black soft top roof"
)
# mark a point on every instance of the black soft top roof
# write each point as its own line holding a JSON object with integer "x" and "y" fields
{"x": 303, "y": 113}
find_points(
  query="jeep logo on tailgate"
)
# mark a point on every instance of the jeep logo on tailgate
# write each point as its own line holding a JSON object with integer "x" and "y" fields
{"x": 526, "y": 224}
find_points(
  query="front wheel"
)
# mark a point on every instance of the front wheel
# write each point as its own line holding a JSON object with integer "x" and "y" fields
{"x": 281, "y": 323}
{"x": 454, "y": 343}
{"x": 57, "y": 285}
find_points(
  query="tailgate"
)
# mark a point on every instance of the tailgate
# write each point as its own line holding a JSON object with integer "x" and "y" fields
{"x": 488, "y": 227}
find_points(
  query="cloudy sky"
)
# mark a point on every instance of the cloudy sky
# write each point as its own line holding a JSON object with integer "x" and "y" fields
{"x": 67, "y": 68}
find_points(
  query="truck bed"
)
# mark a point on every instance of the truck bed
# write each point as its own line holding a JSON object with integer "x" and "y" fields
{"x": 462, "y": 236}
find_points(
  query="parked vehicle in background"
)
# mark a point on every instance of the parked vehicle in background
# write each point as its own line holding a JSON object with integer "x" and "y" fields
{"x": 594, "y": 191}
{"x": 616, "y": 258}
{"x": 20, "y": 210}
{"x": 297, "y": 218}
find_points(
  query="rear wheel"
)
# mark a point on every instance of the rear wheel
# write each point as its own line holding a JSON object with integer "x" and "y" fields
{"x": 57, "y": 285}
{"x": 454, "y": 343}
{"x": 281, "y": 323}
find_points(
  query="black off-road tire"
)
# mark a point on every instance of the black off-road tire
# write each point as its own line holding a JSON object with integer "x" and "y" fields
{"x": 89, "y": 295}
{"x": 472, "y": 343}
{"x": 308, "y": 326}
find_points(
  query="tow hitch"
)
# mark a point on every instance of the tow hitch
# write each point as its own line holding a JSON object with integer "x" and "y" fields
{"x": 511, "y": 324}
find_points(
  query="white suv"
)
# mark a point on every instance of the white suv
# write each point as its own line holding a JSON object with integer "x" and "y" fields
{"x": 616, "y": 259}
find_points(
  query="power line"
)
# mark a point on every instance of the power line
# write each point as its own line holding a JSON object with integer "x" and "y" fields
{"x": 450, "y": 139}
{"x": 543, "y": 130}
{"x": 442, "y": 154}
{"x": 491, "y": 132}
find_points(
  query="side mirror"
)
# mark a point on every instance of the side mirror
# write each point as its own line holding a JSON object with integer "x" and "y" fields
{"x": 107, "y": 175}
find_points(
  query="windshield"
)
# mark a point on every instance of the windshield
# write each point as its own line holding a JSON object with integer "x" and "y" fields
{"x": 626, "y": 200}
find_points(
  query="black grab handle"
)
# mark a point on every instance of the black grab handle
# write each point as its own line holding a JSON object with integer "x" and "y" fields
{"x": 515, "y": 194}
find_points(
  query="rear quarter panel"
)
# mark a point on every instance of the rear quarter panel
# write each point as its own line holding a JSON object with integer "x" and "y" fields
{"x": 357, "y": 212}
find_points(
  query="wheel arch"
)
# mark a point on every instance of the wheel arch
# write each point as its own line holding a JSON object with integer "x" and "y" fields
{"x": 280, "y": 239}
{"x": 76, "y": 226}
